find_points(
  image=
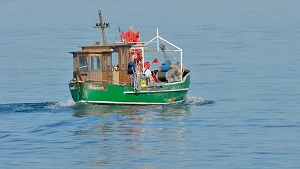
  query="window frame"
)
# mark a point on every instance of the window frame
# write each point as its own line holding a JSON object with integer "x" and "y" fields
{"x": 98, "y": 59}
{"x": 75, "y": 62}
{"x": 87, "y": 63}
{"x": 106, "y": 63}
{"x": 123, "y": 59}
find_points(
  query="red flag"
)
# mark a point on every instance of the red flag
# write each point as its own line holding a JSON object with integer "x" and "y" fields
{"x": 123, "y": 36}
{"x": 155, "y": 60}
{"x": 130, "y": 36}
{"x": 137, "y": 36}
{"x": 146, "y": 65}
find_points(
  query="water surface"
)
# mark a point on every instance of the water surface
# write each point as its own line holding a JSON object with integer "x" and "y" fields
{"x": 241, "y": 110}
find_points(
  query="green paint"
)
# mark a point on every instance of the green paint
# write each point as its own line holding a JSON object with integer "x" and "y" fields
{"x": 117, "y": 94}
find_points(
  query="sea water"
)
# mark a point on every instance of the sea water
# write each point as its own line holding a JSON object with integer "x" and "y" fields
{"x": 241, "y": 110}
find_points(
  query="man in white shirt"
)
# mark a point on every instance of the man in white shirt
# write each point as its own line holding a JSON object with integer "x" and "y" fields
{"x": 148, "y": 75}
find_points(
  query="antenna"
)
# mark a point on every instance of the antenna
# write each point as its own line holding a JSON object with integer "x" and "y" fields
{"x": 102, "y": 25}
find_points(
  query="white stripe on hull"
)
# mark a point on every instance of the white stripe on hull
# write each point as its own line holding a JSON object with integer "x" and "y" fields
{"x": 156, "y": 91}
{"x": 138, "y": 103}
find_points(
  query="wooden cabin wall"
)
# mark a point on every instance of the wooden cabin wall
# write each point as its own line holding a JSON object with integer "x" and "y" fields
{"x": 123, "y": 57}
{"x": 110, "y": 71}
{"x": 105, "y": 72}
{"x": 104, "y": 68}
{"x": 95, "y": 75}
{"x": 95, "y": 48}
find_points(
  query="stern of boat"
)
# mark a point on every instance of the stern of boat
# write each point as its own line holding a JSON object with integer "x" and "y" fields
{"x": 76, "y": 90}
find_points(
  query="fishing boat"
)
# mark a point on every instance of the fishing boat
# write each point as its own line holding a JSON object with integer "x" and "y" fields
{"x": 134, "y": 79}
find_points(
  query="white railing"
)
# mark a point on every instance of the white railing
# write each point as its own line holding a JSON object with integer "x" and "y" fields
{"x": 158, "y": 39}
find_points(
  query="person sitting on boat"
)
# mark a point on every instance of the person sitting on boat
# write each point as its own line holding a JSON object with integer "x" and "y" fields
{"x": 148, "y": 75}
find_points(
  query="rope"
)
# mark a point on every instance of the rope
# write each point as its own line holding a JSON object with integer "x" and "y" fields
{"x": 137, "y": 83}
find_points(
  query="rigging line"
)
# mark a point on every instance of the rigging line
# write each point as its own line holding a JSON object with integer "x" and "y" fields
{"x": 168, "y": 49}
{"x": 97, "y": 20}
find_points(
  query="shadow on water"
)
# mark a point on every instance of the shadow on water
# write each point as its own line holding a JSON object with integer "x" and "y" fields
{"x": 83, "y": 110}
{"x": 127, "y": 133}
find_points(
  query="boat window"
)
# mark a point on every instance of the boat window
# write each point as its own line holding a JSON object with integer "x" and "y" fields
{"x": 95, "y": 63}
{"x": 83, "y": 63}
{"x": 108, "y": 63}
{"x": 122, "y": 60}
{"x": 104, "y": 63}
{"x": 74, "y": 62}
{"x": 126, "y": 57}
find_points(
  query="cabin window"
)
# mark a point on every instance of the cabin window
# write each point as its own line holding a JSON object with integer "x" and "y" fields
{"x": 83, "y": 61}
{"x": 122, "y": 60}
{"x": 104, "y": 63}
{"x": 108, "y": 63}
{"x": 74, "y": 62}
{"x": 95, "y": 63}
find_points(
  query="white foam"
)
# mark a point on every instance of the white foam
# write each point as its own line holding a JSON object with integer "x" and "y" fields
{"x": 64, "y": 104}
{"x": 197, "y": 101}
{"x": 67, "y": 103}
{"x": 194, "y": 100}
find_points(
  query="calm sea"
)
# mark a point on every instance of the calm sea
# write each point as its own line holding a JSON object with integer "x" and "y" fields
{"x": 242, "y": 109}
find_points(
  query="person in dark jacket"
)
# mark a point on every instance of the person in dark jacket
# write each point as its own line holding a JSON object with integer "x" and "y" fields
{"x": 131, "y": 70}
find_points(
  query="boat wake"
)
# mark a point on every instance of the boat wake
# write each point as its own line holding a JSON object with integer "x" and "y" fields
{"x": 71, "y": 105}
{"x": 198, "y": 101}
{"x": 59, "y": 105}
{"x": 35, "y": 107}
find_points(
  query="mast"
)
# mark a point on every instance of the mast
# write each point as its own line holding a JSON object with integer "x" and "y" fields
{"x": 102, "y": 25}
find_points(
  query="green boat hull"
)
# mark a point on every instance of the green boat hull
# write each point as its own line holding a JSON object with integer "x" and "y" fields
{"x": 101, "y": 93}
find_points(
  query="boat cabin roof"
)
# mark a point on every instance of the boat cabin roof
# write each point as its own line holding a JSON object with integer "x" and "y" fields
{"x": 108, "y": 48}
